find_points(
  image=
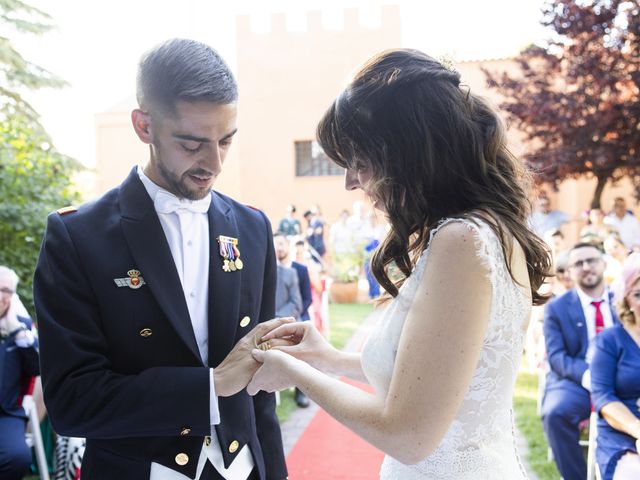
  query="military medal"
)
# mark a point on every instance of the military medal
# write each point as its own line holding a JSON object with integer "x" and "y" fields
{"x": 230, "y": 254}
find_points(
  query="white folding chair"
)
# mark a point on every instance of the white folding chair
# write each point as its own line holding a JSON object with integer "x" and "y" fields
{"x": 543, "y": 368}
{"x": 593, "y": 472}
{"x": 33, "y": 437}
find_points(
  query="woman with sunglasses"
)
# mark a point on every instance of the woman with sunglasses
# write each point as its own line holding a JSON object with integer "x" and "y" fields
{"x": 615, "y": 382}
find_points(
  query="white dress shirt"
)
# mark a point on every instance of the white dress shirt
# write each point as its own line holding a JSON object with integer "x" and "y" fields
{"x": 589, "y": 312}
{"x": 628, "y": 227}
{"x": 187, "y": 233}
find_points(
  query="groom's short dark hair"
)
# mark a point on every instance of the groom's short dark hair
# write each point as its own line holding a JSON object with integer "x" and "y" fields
{"x": 186, "y": 70}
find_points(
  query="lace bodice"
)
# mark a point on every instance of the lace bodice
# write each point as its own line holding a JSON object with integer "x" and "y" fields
{"x": 480, "y": 441}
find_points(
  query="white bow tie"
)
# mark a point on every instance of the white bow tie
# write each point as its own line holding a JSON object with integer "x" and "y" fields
{"x": 166, "y": 202}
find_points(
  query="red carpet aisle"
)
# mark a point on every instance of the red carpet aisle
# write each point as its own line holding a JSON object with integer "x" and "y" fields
{"x": 328, "y": 451}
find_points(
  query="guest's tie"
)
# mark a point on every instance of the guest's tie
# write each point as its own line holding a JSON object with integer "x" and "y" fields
{"x": 166, "y": 202}
{"x": 599, "y": 317}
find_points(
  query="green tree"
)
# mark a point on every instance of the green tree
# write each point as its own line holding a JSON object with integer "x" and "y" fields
{"x": 34, "y": 178}
{"x": 16, "y": 73}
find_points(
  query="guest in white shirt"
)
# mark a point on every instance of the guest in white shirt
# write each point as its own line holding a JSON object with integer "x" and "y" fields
{"x": 544, "y": 219}
{"x": 625, "y": 222}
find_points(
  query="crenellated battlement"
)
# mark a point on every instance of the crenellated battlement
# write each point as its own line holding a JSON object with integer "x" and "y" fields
{"x": 313, "y": 23}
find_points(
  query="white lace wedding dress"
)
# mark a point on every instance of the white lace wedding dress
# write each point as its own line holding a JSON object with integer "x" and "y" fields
{"x": 480, "y": 443}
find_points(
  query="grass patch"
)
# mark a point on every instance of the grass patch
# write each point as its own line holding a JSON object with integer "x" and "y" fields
{"x": 287, "y": 405}
{"x": 530, "y": 424}
{"x": 345, "y": 318}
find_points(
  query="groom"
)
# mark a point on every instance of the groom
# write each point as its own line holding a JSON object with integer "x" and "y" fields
{"x": 145, "y": 296}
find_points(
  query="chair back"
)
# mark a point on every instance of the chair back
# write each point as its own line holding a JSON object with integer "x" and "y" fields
{"x": 33, "y": 435}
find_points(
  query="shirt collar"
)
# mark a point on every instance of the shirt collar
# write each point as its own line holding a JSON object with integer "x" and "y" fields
{"x": 586, "y": 300}
{"x": 151, "y": 187}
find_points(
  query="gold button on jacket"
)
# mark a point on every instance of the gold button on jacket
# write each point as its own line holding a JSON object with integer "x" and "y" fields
{"x": 185, "y": 431}
{"x": 207, "y": 441}
{"x": 245, "y": 321}
{"x": 233, "y": 446}
{"x": 182, "y": 459}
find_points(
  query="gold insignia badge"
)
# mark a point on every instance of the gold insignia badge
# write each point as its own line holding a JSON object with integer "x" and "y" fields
{"x": 134, "y": 280}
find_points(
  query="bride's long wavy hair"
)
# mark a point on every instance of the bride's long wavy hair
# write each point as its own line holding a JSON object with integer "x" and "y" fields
{"x": 435, "y": 150}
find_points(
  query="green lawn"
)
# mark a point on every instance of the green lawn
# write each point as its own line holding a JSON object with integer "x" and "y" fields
{"x": 530, "y": 425}
{"x": 344, "y": 320}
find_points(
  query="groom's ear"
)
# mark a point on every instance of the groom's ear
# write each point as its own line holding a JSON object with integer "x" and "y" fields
{"x": 141, "y": 121}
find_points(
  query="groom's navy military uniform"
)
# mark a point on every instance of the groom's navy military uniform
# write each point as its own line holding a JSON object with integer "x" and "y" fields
{"x": 121, "y": 365}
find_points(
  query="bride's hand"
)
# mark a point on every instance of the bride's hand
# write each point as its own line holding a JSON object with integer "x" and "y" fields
{"x": 275, "y": 372}
{"x": 235, "y": 371}
{"x": 306, "y": 343}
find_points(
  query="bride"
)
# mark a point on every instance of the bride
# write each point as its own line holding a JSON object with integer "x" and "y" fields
{"x": 443, "y": 361}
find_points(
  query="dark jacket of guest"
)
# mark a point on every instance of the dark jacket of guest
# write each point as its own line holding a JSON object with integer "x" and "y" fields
{"x": 304, "y": 282}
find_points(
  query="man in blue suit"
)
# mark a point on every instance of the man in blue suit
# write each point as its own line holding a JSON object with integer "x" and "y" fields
{"x": 147, "y": 298}
{"x": 18, "y": 365}
{"x": 571, "y": 323}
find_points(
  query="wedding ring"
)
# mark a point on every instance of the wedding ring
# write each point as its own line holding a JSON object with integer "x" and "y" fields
{"x": 265, "y": 346}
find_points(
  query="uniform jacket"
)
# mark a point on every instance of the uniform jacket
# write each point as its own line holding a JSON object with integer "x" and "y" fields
{"x": 17, "y": 366}
{"x": 120, "y": 365}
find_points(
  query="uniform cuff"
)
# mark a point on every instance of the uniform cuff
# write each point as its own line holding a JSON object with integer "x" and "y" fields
{"x": 214, "y": 412}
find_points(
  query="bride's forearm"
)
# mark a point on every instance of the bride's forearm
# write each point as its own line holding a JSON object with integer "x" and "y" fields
{"x": 360, "y": 411}
{"x": 346, "y": 364}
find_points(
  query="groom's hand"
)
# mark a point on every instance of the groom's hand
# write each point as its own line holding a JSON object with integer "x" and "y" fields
{"x": 236, "y": 370}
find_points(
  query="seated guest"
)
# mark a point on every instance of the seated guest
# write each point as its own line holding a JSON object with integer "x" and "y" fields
{"x": 625, "y": 222}
{"x": 571, "y": 323}
{"x": 18, "y": 363}
{"x": 615, "y": 383}
{"x": 596, "y": 230}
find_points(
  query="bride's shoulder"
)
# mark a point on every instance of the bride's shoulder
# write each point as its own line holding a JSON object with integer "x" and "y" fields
{"x": 468, "y": 239}
{"x": 460, "y": 229}
{"x": 453, "y": 238}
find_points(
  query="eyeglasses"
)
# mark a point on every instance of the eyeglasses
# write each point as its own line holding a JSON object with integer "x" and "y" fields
{"x": 6, "y": 291}
{"x": 592, "y": 262}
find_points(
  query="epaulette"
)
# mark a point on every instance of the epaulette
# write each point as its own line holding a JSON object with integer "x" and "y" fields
{"x": 66, "y": 210}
